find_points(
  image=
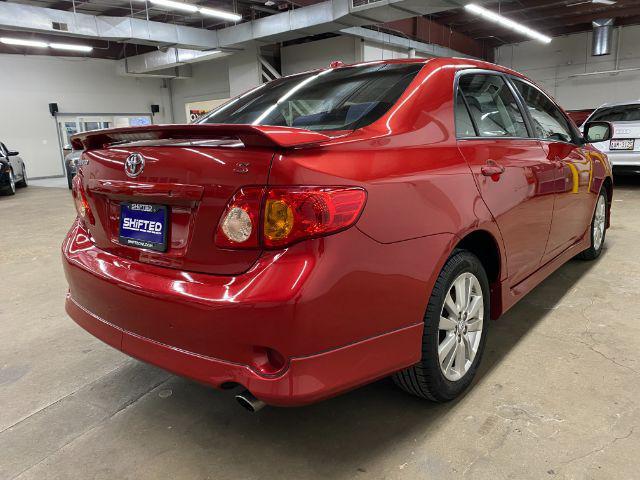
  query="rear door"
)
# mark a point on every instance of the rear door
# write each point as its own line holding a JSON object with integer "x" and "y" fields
{"x": 513, "y": 175}
{"x": 574, "y": 200}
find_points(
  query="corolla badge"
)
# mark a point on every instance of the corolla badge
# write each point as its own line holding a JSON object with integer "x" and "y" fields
{"x": 133, "y": 165}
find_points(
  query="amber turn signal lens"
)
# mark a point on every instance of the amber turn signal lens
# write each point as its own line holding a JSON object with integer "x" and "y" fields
{"x": 278, "y": 219}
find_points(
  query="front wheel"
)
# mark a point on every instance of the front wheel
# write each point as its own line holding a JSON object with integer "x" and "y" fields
{"x": 598, "y": 229}
{"x": 455, "y": 331}
{"x": 11, "y": 188}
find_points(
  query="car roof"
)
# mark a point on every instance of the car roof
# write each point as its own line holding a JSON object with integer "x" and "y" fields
{"x": 619, "y": 104}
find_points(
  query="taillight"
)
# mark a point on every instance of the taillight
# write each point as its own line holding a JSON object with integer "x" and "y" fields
{"x": 277, "y": 217}
{"x": 240, "y": 223}
{"x": 80, "y": 200}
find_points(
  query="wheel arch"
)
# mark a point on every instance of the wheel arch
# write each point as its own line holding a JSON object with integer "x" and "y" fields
{"x": 484, "y": 245}
{"x": 607, "y": 184}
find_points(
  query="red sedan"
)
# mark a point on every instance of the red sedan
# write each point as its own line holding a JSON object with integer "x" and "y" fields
{"x": 334, "y": 227}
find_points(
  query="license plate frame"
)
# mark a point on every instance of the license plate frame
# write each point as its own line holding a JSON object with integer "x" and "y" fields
{"x": 622, "y": 144}
{"x": 138, "y": 226}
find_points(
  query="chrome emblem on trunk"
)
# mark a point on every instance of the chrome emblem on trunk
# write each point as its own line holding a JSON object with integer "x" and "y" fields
{"x": 133, "y": 165}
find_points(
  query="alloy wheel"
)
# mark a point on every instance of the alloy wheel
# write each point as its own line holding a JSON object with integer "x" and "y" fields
{"x": 460, "y": 327}
{"x": 599, "y": 221}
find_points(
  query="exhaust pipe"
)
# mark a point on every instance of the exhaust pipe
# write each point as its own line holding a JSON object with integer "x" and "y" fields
{"x": 248, "y": 401}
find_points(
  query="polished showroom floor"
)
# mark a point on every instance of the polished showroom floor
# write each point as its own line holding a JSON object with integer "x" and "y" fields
{"x": 556, "y": 397}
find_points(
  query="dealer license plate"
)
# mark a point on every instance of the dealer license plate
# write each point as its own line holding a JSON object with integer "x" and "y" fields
{"x": 143, "y": 226}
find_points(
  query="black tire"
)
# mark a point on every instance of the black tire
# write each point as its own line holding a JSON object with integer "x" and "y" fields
{"x": 426, "y": 379}
{"x": 69, "y": 180}
{"x": 11, "y": 188}
{"x": 24, "y": 182}
{"x": 594, "y": 250}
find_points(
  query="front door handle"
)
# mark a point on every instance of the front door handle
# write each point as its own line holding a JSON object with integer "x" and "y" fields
{"x": 492, "y": 169}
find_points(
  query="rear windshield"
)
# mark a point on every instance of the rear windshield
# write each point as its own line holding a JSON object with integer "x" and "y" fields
{"x": 620, "y": 113}
{"x": 335, "y": 99}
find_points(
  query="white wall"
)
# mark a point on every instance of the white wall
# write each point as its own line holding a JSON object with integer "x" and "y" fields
{"x": 209, "y": 81}
{"x": 29, "y": 83}
{"x": 551, "y": 66}
{"x": 311, "y": 55}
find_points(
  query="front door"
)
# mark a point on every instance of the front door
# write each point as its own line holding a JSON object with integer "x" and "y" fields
{"x": 514, "y": 177}
{"x": 573, "y": 197}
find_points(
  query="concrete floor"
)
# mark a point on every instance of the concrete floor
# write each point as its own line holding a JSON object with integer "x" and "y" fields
{"x": 558, "y": 395}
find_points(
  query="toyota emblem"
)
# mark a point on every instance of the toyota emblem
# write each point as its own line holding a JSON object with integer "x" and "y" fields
{"x": 134, "y": 164}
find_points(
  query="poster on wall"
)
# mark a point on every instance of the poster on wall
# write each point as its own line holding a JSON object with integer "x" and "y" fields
{"x": 195, "y": 110}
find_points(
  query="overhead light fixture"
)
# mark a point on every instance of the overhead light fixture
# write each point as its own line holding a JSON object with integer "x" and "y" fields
{"x": 71, "y": 47}
{"x": 212, "y": 12}
{"x": 185, "y": 7}
{"x": 506, "y": 22}
{"x": 23, "y": 43}
{"x": 40, "y": 44}
{"x": 188, "y": 7}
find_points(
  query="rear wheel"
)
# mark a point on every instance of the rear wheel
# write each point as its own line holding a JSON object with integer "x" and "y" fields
{"x": 598, "y": 229}
{"x": 455, "y": 331}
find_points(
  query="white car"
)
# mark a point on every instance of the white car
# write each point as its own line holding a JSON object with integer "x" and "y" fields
{"x": 623, "y": 149}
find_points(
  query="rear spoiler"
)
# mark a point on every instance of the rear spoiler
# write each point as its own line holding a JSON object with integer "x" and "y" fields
{"x": 249, "y": 135}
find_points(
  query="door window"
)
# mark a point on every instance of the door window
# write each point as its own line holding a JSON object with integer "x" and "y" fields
{"x": 548, "y": 121}
{"x": 464, "y": 124}
{"x": 492, "y": 105}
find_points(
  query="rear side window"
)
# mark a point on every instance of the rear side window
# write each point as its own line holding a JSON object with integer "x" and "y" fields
{"x": 619, "y": 113}
{"x": 548, "y": 121}
{"x": 464, "y": 124}
{"x": 493, "y": 107}
{"x": 336, "y": 99}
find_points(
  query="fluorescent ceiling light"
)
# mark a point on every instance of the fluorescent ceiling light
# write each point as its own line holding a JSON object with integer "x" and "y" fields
{"x": 191, "y": 8}
{"x": 68, "y": 46}
{"x": 23, "y": 43}
{"x": 40, "y": 44}
{"x": 505, "y": 22}
{"x": 212, "y": 12}
{"x": 187, "y": 7}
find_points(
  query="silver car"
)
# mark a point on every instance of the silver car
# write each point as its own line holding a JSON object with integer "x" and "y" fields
{"x": 623, "y": 149}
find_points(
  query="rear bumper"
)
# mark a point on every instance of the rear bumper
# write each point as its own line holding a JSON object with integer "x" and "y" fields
{"x": 306, "y": 380}
{"x": 624, "y": 159}
{"x": 337, "y": 324}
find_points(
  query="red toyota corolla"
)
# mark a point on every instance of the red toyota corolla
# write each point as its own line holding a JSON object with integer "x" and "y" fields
{"x": 331, "y": 228}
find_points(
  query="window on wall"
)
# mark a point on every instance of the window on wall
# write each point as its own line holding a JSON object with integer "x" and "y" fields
{"x": 492, "y": 105}
{"x": 548, "y": 121}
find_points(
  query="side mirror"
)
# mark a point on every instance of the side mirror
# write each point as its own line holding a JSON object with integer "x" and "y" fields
{"x": 12, "y": 153}
{"x": 597, "y": 132}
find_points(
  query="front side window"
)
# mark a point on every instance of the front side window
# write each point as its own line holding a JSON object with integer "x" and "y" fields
{"x": 548, "y": 121}
{"x": 619, "y": 113}
{"x": 493, "y": 107}
{"x": 334, "y": 99}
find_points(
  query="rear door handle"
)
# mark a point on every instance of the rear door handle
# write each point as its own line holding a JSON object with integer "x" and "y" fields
{"x": 491, "y": 169}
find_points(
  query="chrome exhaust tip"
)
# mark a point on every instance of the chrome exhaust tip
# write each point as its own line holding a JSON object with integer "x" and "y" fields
{"x": 249, "y": 402}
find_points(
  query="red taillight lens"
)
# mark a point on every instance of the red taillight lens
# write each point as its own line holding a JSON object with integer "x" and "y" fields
{"x": 239, "y": 225}
{"x": 80, "y": 200}
{"x": 296, "y": 213}
{"x": 277, "y": 217}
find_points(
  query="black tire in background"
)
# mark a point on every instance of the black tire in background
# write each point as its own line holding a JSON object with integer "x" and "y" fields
{"x": 426, "y": 379}
{"x": 69, "y": 180}
{"x": 11, "y": 188}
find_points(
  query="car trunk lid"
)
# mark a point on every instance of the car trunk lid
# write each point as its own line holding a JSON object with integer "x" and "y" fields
{"x": 191, "y": 171}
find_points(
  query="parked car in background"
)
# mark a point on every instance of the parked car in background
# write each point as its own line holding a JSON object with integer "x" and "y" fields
{"x": 334, "y": 227}
{"x": 623, "y": 149}
{"x": 13, "y": 173}
{"x": 71, "y": 165}
{"x": 579, "y": 116}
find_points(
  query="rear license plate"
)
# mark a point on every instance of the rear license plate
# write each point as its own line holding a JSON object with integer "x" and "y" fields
{"x": 143, "y": 226}
{"x": 621, "y": 144}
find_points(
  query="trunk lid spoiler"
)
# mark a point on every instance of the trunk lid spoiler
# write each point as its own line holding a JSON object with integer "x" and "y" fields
{"x": 249, "y": 135}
